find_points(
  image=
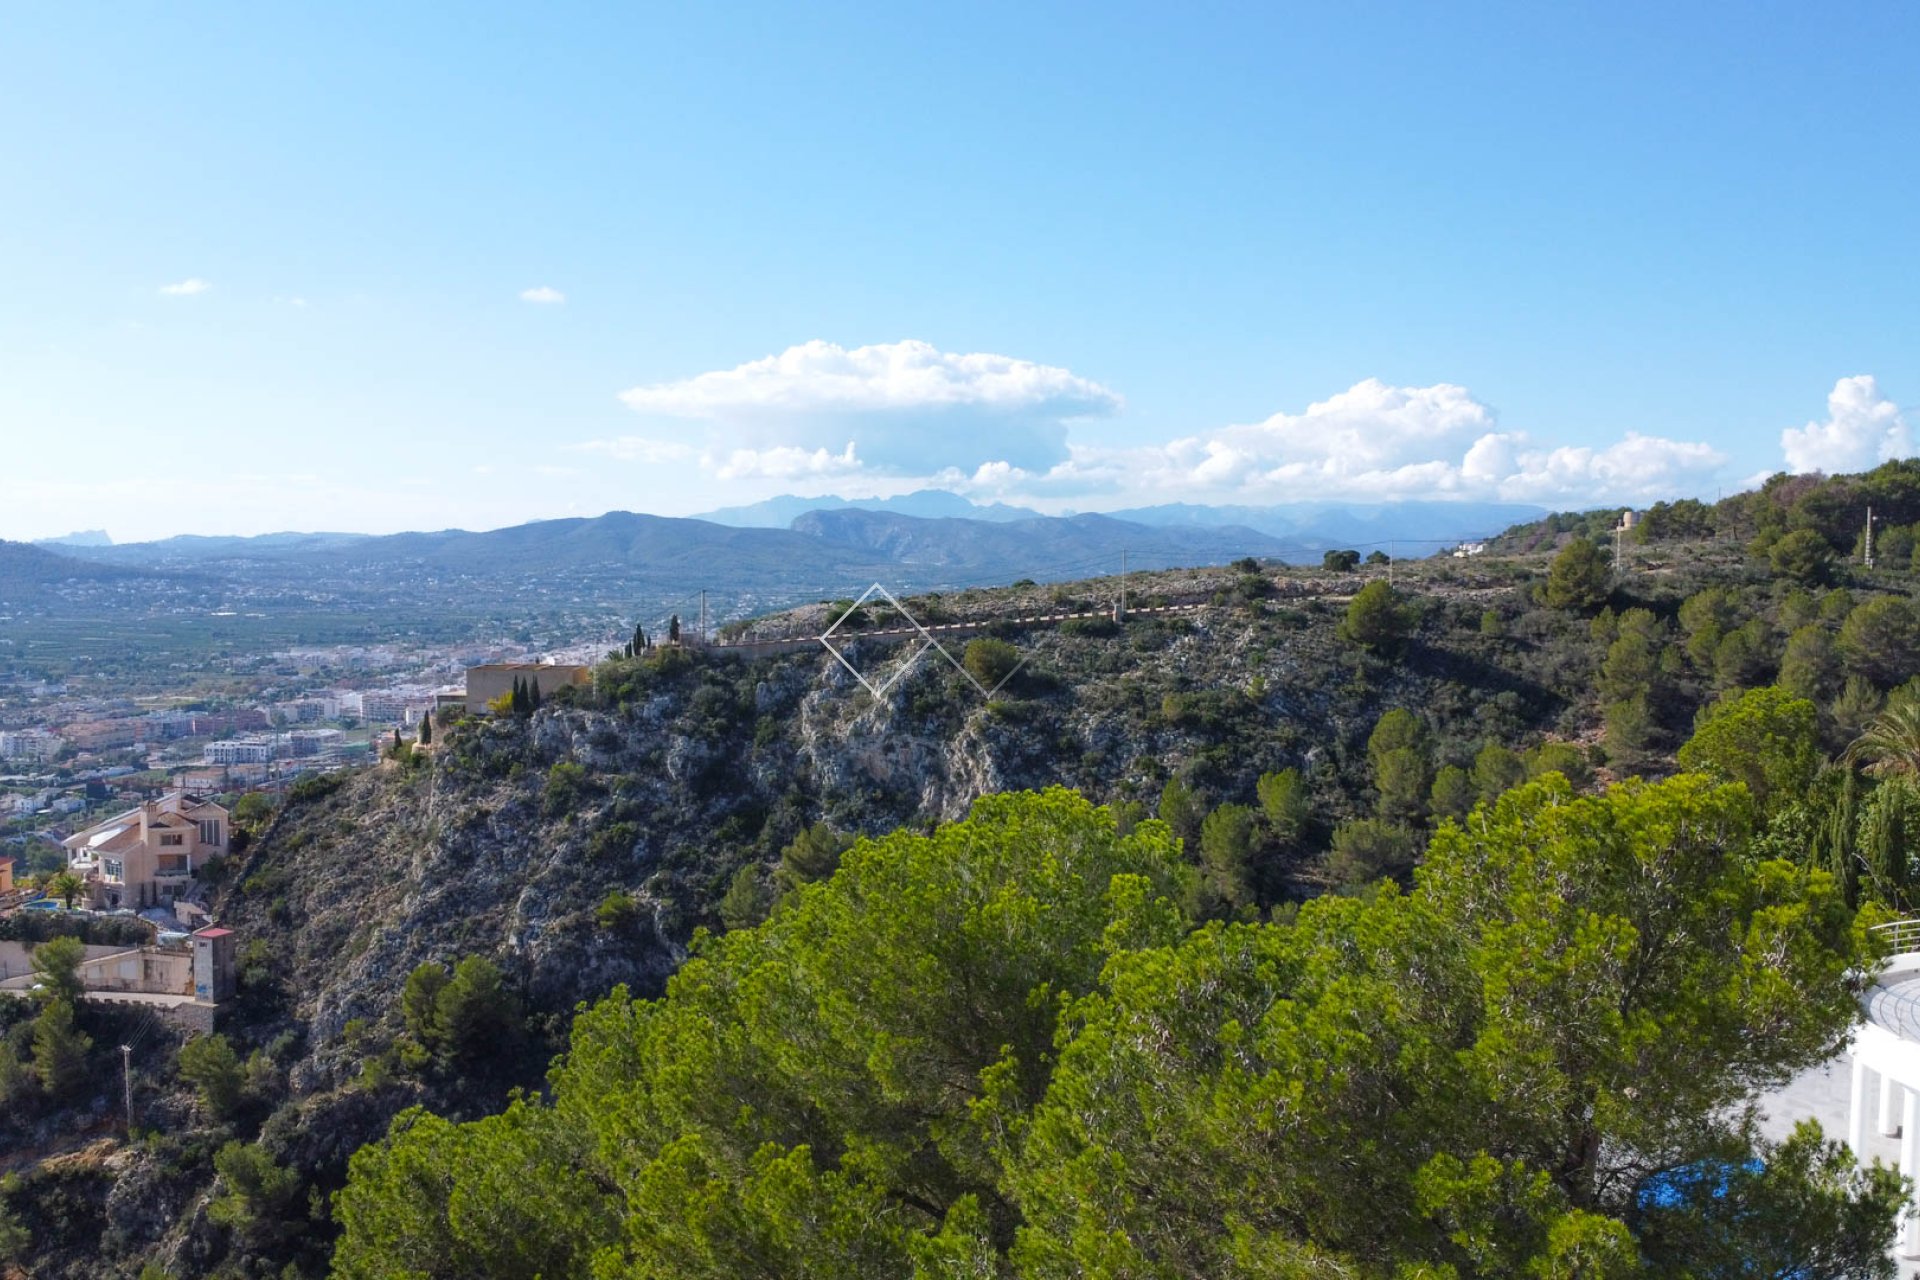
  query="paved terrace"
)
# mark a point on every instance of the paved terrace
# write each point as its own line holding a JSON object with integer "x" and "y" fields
{"x": 1871, "y": 1093}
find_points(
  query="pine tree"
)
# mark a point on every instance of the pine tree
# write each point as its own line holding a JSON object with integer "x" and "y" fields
{"x": 59, "y": 1050}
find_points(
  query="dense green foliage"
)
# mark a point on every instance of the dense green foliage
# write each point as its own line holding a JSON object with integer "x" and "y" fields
{"x": 465, "y": 1018}
{"x": 999, "y": 1050}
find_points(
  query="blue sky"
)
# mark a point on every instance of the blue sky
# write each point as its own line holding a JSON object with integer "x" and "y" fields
{"x": 1082, "y": 257}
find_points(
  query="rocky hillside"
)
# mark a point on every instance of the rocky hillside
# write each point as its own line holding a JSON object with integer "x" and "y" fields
{"x": 580, "y": 847}
{"x": 674, "y": 773}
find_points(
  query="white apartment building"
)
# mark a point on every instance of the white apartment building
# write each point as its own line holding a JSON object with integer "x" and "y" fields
{"x": 28, "y": 744}
{"x": 238, "y": 751}
{"x": 384, "y": 706}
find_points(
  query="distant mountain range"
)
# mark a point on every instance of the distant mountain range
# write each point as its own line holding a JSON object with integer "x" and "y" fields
{"x": 929, "y": 504}
{"x": 1311, "y": 526}
{"x": 1425, "y": 525}
{"x": 827, "y": 547}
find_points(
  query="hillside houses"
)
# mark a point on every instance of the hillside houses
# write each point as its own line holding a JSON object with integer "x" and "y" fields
{"x": 148, "y": 854}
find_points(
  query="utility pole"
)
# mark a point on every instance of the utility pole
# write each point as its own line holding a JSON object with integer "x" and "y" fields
{"x": 1869, "y": 537}
{"x": 1120, "y": 611}
{"x": 1618, "y": 531}
{"x": 1393, "y": 553}
{"x": 126, "y": 1072}
{"x": 703, "y": 619}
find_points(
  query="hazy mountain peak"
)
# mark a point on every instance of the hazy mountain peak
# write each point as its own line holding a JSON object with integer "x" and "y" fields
{"x": 927, "y": 504}
{"x": 79, "y": 538}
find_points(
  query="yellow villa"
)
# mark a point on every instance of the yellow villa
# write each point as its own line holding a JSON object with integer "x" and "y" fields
{"x": 147, "y": 855}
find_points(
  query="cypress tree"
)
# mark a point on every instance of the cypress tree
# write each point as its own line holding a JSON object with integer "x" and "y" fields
{"x": 1835, "y": 837}
{"x": 1885, "y": 832}
{"x": 533, "y": 694}
{"x": 426, "y": 729}
{"x": 673, "y": 629}
{"x": 639, "y": 640}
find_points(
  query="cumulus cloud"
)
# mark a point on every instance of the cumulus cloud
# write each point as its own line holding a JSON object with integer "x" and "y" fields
{"x": 1637, "y": 469}
{"x": 786, "y": 462}
{"x": 909, "y": 407}
{"x": 907, "y": 413}
{"x": 1862, "y": 429}
{"x": 1368, "y": 427}
{"x": 1377, "y": 442}
{"x": 185, "y": 288}
{"x": 544, "y": 294}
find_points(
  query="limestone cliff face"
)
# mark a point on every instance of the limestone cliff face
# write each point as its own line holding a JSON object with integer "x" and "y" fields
{"x": 665, "y": 785}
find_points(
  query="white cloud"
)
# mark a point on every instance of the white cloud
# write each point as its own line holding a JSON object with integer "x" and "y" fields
{"x": 1637, "y": 469}
{"x": 785, "y": 462}
{"x": 1365, "y": 428}
{"x": 908, "y": 406}
{"x": 1862, "y": 430}
{"x": 186, "y": 288}
{"x": 1377, "y": 442}
{"x": 545, "y": 294}
{"x": 906, "y": 413}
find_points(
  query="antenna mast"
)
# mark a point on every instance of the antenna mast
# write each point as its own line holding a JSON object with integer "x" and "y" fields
{"x": 1869, "y": 537}
{"x": 126, "y": 1070}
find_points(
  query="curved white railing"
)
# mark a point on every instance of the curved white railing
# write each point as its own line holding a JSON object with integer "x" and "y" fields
{"x": 1902, "y": 937}
{"x": 1893, "y": 1001}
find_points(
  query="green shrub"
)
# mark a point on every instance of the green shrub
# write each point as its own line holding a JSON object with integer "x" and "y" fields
{"x": 568, "y": 785}
{"x": 990, "y": 661}
{"x": 617, "y": 911}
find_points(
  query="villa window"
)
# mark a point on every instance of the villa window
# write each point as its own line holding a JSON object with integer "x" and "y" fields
{"x": 169, "y": 840}
{"x": 210, "y": 831}
{"x": 113, "y": 868}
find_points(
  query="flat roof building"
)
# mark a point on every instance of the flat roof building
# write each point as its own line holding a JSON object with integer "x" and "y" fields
{"x": 492, "y": 680}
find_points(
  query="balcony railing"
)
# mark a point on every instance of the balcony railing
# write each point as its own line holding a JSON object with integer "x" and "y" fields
{"x": 1900, "y": 937}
